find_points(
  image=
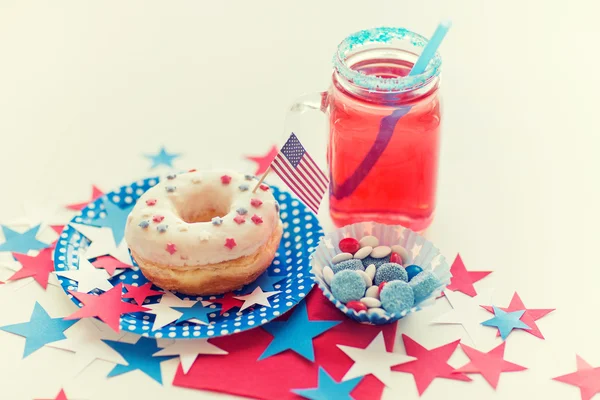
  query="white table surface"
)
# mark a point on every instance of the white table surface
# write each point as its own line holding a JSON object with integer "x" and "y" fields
{"x": 87, "y": 87}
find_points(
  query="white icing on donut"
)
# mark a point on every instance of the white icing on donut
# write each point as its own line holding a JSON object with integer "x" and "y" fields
{"x": 178, "y": 197}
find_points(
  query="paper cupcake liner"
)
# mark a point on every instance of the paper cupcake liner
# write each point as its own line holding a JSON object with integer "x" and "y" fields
{"x": 423, "y": 253}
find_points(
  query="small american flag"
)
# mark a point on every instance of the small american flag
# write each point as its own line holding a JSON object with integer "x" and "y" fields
{"x": 300, "y": 173}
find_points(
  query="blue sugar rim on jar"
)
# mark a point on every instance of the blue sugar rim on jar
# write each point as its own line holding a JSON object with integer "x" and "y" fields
{"x": 375, "y": 83}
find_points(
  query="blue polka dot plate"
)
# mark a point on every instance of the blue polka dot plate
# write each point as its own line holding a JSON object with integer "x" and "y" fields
{"x": 420, "y": 251}
{"x": 289, "y": 273}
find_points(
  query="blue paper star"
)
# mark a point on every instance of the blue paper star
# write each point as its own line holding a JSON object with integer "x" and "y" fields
{"x": 295, "y": 334}
{"x": 21, "y": 242}
{"x": 115, "y": 219}
{"x": 162, "y": 158}
{"x": 329, "y": 389}
{"x": 40, "y": 330}
{"x": 138, "y": 356}
{"x": 197, "y": 311}
{"x": 265, "y": 282}
{"x": 506, "y": 321}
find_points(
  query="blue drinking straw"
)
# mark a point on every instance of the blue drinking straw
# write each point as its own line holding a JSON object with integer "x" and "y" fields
{"x": 431, "y": 48}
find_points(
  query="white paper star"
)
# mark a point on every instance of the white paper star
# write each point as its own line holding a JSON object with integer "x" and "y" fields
{"x": 204, "y": 236}
{"x": 256, "y": 297}
{"x": 467, "y": 311}
{"x": 188, "y": 350}
{"x": 85, "y": 340}
{"x": 88, "y": 277}
{"x": 164, "y": 312}
{"x": 416, "y": 249}
{"x": 103, "y": 243}
{"x": 374, "y": 359}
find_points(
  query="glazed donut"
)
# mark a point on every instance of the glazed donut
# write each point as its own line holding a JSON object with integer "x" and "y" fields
{"x": 204, "y": 233}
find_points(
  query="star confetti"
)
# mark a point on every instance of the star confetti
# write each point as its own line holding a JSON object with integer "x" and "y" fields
{"x": 429, "y": 364}
{"x": 227, "y": 302}
{"x": 189, "y": 350}
{"x": 295, "y": 334}
{"x": 256, "y": 297}
{"x": 587, "y": 378}
{"x": 529, "y": 317}
{"x": 60, "y": 396}
{"x": 21, "y": 242}
{"x": 263, "y": 162}
{"x": 40, "y": 330}
{"x": 139, "y": 355}
{"x": 165, "y": 311}
{"x": 87, "y": 277}
{"x": 85, "y": 340}
{"x": 373, "y": 359}
{"x": 466, "y": 311}
{"x": 108, "y": 306}
{"x": 196, "y": 313}
{"x": 103, "y": 243}
{"x": 506, "y": 321}
{"x": 489, "y": 365}
{"x": 139, "y": 293}
{"x": 115, "y": 219}
{"x": 231, "y": 374}
{"x": 329, "y": 389}
{"x": 162, "y": 158}
{"x": 39, "y": 267}
{"x": 264, "y": 281}
{"x": 463, "y": 280}
{"x": 96, "y": 193}
{"x": 110, "y": 265}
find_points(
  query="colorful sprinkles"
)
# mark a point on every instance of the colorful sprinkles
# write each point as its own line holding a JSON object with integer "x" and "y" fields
{"x": 171, "y": 248}
{"x": 162, "y": 228}
{"x": 144, "y": 224}
{"x": 225, "y": 179}
{"x": 242, "y": 211}
{"x": 170, "y": 189}
{"x": 158, "y": 218}
{"x": 151, "y": 202}
{"x": 256, "y": 219}
{"x": 239, "y": 219}
{"x": 230, "y": 243}
{"x": 171, "y": 176}
{"x": 217, "y": 221}
{"x": 243, "y": 187}
{"x": 256, "y": 203}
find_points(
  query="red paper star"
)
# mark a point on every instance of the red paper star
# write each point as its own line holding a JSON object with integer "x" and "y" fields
{"x": 529, "y": 317}
{"x": 263, "y": 162}
{"x": 230, "y": 243}
{"x": 489, "y": 365}
{"x": 139, "y": 293}
{"x": 110, "y": 264}
{"x": 430, "y": 364}
{"x": 171, "y": 248}
{"x": 228, "y": 302}
{"x": 60, "y": 396}
{"x": 230, "y": 374}
{"x": 587, "y": 378}
{"x": 57, "y": 228}
{"x": 38, "y": 267}
{"x": 96, "y": 193}
{"x": 463, "y": 280}
{"x": 108, "y": 306}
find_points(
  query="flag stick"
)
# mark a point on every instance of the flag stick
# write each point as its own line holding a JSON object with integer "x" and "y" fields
{"x": 262, "y": 178}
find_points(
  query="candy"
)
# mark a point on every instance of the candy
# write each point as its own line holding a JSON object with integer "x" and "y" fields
{"x": 341, "y": 257}
{"x": 395, "y": 258}
{"x": 230, "y": 243}
{"x": 349, "y": 245}
{"x": 243, "y": 187}
{"x": 381, "y": 251}
{"x": 412, "y": 271}
{"x": 170, "y": 189}
{"x": 402, "y": 252}
{"x": 363, "y": 252}
{"x": 380, "y": 312}
{"x": 373, "y": 292}
{"x": 371, "y": 270}
{"x": 158, "y": 218}
{"x": 150, "y": 202}
{"x": 370, "y": 302}
{"x": 257, "y": 219}
{"x": 380, "y": 287}
{"x": 354, "y": 265}
{"x": 144, "y": 224}
{"x": 369, "y": 241}
{"x": 356, "y": 306}
{"x": 327, "y": 275}
{"x": 368, "y": 281}
{"x": 217, "y": 221}
{"x": 241, "y": 211}
{"x": 377, "y": 261}
{"x": 390, "y": 272}
{"x": 162, "y": 228}
{"x": 424, "y": 284}
{"x": 225, "y": 179}
{"x": 397, "y": 296}
{"x": 347, "y": 286}
{"x": 255, "y": 203}
{"x": 239, "y": 219}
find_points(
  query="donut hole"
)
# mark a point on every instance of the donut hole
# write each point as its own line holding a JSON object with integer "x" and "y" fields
{"x": 203, "y": 206}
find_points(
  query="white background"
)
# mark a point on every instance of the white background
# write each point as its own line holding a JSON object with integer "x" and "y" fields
{"x": 87, "y": 87}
